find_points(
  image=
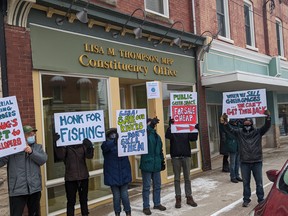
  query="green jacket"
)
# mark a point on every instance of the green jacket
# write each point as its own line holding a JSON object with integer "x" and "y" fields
{"x": 152, "y": 161}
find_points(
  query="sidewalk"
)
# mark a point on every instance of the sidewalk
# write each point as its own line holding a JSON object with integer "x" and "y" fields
{"x": 212, "y": 190}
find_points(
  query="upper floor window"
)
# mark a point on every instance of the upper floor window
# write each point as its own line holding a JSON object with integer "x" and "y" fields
{"x": 249, "y": 23}
{"x": 223, "y": 18}
{"x": 159, "y": 7}
{"x": 279, "y": 35}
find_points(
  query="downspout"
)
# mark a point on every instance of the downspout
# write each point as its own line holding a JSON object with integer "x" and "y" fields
{"x": 194, "y": 17}
{"x": 3, "y": 59}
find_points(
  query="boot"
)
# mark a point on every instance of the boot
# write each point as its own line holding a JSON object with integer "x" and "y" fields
{"x": 117, "y": 213}
{"x": 178, "y": 201}
{"x": 128, "y": 213}
{"x": 190, "y": 201}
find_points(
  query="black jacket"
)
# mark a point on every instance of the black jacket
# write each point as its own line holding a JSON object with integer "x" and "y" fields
{"x": 180, "y": 143}
{"x": 250, "y": 143}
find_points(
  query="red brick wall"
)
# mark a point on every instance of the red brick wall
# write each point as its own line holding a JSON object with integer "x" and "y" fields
{"x": 19, "y": 69}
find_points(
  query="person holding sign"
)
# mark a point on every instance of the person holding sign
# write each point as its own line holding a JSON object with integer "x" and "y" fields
{"x": 76, "y": 172}
{"x": 180, "y": 151}
{"x": 24, "y": 175}
{"x": 250, "y": 149}
{"x": 117, "y": 172}
{"x": 151, "y": 164}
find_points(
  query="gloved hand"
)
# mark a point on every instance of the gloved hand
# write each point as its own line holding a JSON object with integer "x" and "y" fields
{"x": 56, "y": 137}
{"x": 224, "y": 118}
{"x": 87, "y": 143}
{"x": 267, "y": 113}
{"x": 163, "y": 165}
{"x": 171, "y": 121}
{"x": 197, "y": 126}
{"x": 154, "y": 121}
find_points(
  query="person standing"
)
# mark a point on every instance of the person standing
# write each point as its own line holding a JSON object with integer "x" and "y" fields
{"x": 151, "y": 165}
{"x": 117, "y": 172}
{"x": 250, "y": 148}
{"x": 180, "y": 151}
{"x": 24, "y": 175}
{"x": 224, "y": 150}
{"x": 76, "y": 172}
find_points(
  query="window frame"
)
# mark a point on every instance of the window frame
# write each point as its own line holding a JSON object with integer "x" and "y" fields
{"x": 165, "y": 9}
{"x": 280, "y": 34}
{"x": 249, "y": 4}
{"x": 226, "y": 20}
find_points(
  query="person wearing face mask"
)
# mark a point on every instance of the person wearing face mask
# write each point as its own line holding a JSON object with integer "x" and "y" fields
{"x": 250, "y": 149}
{"x": 24, "y": 175}
{"x": 151, "y": 164}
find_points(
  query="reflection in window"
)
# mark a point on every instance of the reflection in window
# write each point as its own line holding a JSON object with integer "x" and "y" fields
{"x": 223, "y": 18}
{"x": 249, "y": 23}
{"x": 159, "y": 7}
{"x": 283, "y": 182}
{"x": 84, "y": 95}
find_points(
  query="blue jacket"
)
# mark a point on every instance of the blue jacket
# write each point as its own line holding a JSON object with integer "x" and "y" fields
{"x": 117, "y": 170}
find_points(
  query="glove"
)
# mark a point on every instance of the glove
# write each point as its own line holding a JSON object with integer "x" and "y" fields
{"x": 154, "y": 121}
{"x": 163, "y": 165}
{"x": 171, "y": 121}
{"x": 224, "y": 118}
{"x": 87, "y": 143}
{"x": 56, "y": 137}
{"x": 267, "y": 113}
{"x": 197, "y": 126}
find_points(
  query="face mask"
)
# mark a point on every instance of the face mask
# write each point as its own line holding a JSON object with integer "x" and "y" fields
{"x": 31, "y": 139}
{"x": 248, "y": 128}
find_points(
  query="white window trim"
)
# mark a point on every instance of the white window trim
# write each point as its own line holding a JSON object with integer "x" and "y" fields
{"x": 165, "y": 8}
{"x": 226, "y": 18}
{"x": 251, "y": 19}
{"x": 281, "y": 36}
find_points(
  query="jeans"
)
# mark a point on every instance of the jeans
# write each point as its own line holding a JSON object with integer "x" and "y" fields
{"x": 120, "y": 193}
{"x": 256, "y": 169}
{"x": 146, "y": 178}
{"x": 234, "y": 165}
{"x": 185, "y": 163}
{"x": 17, "y": 204}
{"x": 71, "y": 188}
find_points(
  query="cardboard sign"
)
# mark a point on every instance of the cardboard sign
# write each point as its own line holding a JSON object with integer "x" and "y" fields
{"x": 184, "y": 112}
{"x": 74, "y": 127}
{"x": 153, "y": 90}
{"x": 244, "y": 104}
{"x": 12, "y": 139}
{"x": 131, "y": 127}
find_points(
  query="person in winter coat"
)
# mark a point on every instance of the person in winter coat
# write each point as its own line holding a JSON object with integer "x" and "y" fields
{"x": 233, "y": 149}
{"x": 117, "y": 172}
{"x": 180, "y": 151}
{"x": 76, "y": 173}
{"x": 151, "y": 165}
{"x": 224, "y": 150}
{"x": 24, "y": 175}
{"x": 250, "y": 149}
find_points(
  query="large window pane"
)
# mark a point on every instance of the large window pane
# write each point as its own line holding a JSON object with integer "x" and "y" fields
{"x": 71, "y": 94}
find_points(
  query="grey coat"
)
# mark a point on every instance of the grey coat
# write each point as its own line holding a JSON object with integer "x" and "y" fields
{"x": 24, "y": 175}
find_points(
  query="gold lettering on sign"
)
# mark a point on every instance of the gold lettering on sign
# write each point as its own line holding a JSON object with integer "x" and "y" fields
{"x": 92, "y": 48}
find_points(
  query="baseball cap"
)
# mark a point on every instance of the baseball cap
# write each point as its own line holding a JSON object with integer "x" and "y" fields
{"x": 28, "y": 129}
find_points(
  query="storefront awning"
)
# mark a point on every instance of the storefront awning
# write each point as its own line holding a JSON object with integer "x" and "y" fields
{"x": 243, "y": 81}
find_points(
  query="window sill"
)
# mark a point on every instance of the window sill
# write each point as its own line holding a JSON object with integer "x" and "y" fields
{"x": 228, "y": 40}
{"x": 252, "y": 48}
{"x": 110, "y": 2}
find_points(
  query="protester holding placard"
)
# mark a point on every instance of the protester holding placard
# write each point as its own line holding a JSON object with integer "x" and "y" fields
{"x": 24, "y": 175}
{"x": 250, "y": 148}
{"x": 151, "y": 165}
{"x": 117, "y": 172}
{"x": 180, "y": 151}
{"x": 76, "y": 172}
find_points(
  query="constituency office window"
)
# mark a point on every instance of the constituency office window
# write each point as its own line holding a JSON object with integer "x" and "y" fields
{"x": 223, "y": 18}
{"x": 279, "y": 35}
{"x": 249, "y": 23}
{"x": 159, "y": 7}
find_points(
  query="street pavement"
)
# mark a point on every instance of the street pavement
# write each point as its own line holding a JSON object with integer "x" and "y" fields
{"x": 212, "y": 190}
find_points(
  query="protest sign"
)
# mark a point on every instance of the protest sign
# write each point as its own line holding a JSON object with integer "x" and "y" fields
{"x": 183, "y": 111}
{"x": 131, "y": 127}
{"x": 74, "y": 127}
{"x": 244, "y": 104}
{"x": 153, "y": 90}
{"x": 11, "y": 130}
